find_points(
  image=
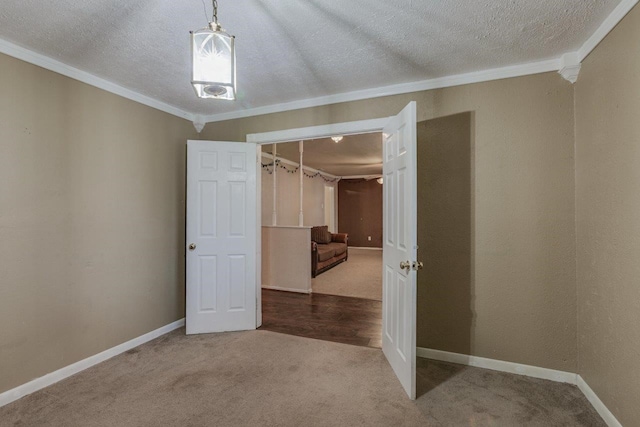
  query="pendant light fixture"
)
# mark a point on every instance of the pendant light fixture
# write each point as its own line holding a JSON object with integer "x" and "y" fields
{"x": 213, "y": 61}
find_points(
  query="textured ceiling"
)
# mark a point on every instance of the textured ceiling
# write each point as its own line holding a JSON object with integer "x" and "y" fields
{"x": 354, "y": 155}
{"x": 289, "y": 50}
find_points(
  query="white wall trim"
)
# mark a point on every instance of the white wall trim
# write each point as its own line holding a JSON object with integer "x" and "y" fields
{"x": 498, "y": 365}
{"x": 607, "y": 26}
{"x": 53, "y": 377}
{"x": 570, "y": 67}
{"x": 50, "y": 64}
{"x": 520, "y": 70}
{"x": 198, "y": 122}
{"x": 277, "y": 288}
{"x": 398, "y": 89}
{"x": 526, "y": 370}
{"x": 322, "y": 131}
{"x": 599, "y": 406}
{"x": 538, "y": 67}
{"x": 367, "y": 249}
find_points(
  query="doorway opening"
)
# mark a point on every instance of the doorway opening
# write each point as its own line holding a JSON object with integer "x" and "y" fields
{"x": 223, "y": 230}
{"x": 321, "y": 210}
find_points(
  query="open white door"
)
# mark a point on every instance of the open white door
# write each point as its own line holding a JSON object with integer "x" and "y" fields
{"x": 400, "y": 246}
{"x": 221, "y": 236}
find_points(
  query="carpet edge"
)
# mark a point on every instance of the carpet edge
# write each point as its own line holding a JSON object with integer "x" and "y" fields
{"x": 51, "y": 378}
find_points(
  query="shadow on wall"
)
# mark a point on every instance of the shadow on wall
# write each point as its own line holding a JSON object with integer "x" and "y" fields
{"x": 445, "y": 235}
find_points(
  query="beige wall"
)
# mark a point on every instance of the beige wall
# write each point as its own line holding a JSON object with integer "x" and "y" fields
{"x": 91, "y": 220}
{"x": 608, "y": 220}
{"x": 444, "y": 233}
{"x": 523, "y": 292}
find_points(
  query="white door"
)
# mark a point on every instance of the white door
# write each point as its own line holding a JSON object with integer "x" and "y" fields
{"x": 221, "y": 236}
{"x": 400, "y": 246}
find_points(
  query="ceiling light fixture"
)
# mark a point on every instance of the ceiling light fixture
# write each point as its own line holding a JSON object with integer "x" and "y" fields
{"x": 213, "y": 61}
{"x": 337, "y": 138}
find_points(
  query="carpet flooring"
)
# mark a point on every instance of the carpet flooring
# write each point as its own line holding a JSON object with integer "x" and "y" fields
{"x": 263, "y": 378}
{"x": 360, "y": 276}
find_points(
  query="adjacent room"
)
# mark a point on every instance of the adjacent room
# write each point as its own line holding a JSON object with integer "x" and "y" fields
{"x": 326, "y": 219}
{"x": 158, "y": 159}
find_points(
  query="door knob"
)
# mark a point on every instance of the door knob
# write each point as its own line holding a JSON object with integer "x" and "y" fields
{"x": 405, "y": 265}
{"x": 192, "y": 246}
{"x": 417, "y": 265}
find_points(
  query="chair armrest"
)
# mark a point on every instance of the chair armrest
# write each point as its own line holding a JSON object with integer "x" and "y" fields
{"x": 314, "y": 246}
{"x": 340, "y": 237}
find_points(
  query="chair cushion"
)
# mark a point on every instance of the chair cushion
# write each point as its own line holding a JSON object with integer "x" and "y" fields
{"x": 339, "y": 248}
{"x": 325, "y": 252}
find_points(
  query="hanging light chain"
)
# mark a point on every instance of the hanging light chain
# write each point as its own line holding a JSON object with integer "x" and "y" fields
{"x": 215, "y": 12}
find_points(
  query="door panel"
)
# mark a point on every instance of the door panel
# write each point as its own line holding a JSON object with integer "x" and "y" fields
{"x": 222, "y": 227}
{"x": 400, "y": 245}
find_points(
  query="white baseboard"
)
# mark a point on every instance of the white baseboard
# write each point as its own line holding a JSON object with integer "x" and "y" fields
{"x": 368, "y": 249}
{"x": 526, "y": 370}
{"x": 599, "y": 406}
{"x": 498, "y": 365}
{"x": 277, "y": 288}
{"x": 53, "y": 377}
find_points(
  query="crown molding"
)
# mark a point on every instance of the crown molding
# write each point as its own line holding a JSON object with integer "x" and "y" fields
{"x": 198, "y": 122}
{"x": 608, "y": 24}
{"x": 570, "y": 67}
{"x": 569, "y": 70}
{"x": 398, "y": 89}
{"x": 47, "y": 63}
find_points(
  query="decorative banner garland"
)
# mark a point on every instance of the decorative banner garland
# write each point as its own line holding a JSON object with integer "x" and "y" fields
{"x": 278, "y": 163}
{"x": 321, "y": 176}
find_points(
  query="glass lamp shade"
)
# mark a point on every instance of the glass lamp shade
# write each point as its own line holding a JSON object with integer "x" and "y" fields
{"x": 213, "y": 63}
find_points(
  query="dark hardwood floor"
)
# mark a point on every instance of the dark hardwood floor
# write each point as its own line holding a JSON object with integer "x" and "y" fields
{"x": 325, "y": 317}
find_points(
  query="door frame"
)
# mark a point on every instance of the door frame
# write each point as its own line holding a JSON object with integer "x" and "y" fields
{"x": 298, "y": 134}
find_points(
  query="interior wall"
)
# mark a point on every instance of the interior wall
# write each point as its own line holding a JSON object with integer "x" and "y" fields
{"x": 288, "y": 197}
{"x": 445, "y": 233}
{"x": 360, "y": 212}
{"x": 523, "y": 292}
{"x": 608, "y": 219}
{"x": 91, "y": 220}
